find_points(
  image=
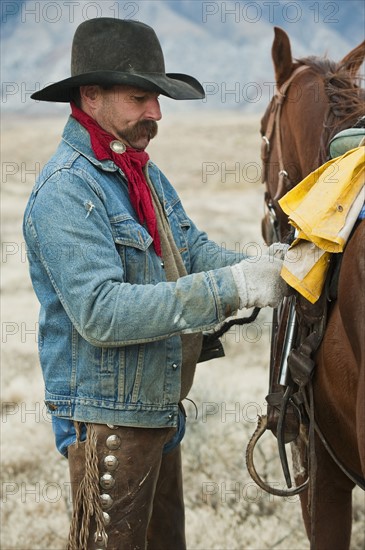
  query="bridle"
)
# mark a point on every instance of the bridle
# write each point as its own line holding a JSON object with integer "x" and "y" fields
{"x": 274, "y": 125}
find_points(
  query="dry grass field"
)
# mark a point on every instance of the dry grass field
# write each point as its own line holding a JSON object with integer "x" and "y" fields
{"x": 213, "y": 160}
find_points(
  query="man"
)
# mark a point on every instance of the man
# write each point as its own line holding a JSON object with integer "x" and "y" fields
{"x": 127, "y": 284}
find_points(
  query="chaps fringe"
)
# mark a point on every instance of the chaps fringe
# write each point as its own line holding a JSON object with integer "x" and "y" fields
{"x": 87, "y": 501}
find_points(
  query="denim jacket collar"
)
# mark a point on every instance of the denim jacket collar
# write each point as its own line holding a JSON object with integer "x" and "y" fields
{"x": 78, "y": 138}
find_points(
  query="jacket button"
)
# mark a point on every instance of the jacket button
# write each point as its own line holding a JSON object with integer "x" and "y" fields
{"x": 163, "y": 264}
{"x": 175, "y": 366}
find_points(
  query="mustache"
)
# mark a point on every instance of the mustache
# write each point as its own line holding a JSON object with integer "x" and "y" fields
{"x": 140, "y": 128}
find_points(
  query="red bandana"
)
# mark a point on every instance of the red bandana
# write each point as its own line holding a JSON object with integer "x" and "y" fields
{"x": 131, "y": 163}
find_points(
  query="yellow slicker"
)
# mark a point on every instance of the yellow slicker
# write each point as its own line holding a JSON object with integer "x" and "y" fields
{"x": 323, "y": 208}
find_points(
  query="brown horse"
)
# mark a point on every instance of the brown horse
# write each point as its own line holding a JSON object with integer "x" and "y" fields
{"x": 312, "y": 105}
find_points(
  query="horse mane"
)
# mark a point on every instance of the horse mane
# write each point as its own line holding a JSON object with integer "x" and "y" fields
{"x": 346, "y": 98}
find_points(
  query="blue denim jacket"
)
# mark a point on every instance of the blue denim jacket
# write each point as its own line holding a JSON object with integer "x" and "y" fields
{"x": 110, "y": 324}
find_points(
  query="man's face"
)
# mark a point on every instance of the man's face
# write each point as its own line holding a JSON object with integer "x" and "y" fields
{"x": 130, "y": 114}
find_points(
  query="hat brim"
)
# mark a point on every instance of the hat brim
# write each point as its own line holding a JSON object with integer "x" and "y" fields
{"x": 173, "y": 85}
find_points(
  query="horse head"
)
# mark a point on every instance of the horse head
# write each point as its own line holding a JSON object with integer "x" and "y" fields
{"x": 315, "y": 98}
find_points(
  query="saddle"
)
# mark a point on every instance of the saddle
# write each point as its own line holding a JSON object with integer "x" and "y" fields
{"x": 298, "y": 329}
{"x": 297, "y": 333}
{"x": 346, "y": 140}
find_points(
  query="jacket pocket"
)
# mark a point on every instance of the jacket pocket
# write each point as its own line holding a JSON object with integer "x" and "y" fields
{"x": 133, "y": 244}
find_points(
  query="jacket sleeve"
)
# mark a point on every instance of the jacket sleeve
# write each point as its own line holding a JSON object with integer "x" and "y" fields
{"x": 208, "y": 255}
{"x": 68, "y": 233}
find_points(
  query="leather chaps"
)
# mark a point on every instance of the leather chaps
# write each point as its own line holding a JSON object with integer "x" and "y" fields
{"x": 136, "y": 488}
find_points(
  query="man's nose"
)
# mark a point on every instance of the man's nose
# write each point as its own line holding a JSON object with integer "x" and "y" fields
{"x": 153, "y": 110}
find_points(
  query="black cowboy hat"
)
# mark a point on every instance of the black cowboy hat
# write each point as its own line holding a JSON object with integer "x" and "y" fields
{"x": 109, "y": 51}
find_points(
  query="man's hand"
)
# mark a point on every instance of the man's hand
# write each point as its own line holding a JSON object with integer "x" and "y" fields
{"x": 258, "y": 280}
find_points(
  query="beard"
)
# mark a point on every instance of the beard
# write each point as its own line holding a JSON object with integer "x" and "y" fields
{"x": 142, "y": 129}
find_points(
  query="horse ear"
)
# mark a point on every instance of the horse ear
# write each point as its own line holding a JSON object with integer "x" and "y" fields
{"x": 353, "y": 60}
{"x": 281, "y": 55}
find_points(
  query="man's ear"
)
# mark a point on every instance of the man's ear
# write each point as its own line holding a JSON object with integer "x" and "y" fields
{"x": 89, "y": 95}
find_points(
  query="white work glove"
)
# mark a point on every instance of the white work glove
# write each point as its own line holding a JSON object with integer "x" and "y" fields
{"x": 277, "y": 250}
{"x": 258, "y": 280}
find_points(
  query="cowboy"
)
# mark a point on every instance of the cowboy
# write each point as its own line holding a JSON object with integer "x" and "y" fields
{"x": 127, "y": 284}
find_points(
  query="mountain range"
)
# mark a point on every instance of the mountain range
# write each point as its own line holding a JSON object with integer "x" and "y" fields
{"x": 226, "y": 45}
